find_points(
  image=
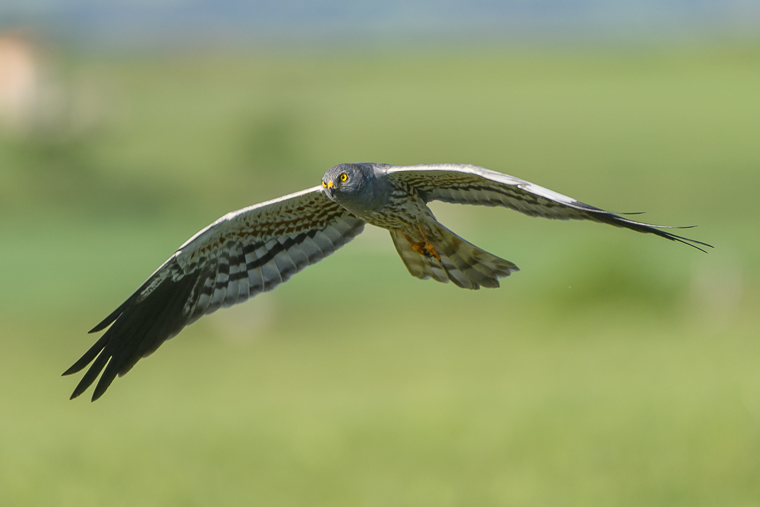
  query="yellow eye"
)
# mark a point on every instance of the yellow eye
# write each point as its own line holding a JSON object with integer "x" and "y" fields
{"x": 343, "y": 177}
{"x": 324, "y": 184}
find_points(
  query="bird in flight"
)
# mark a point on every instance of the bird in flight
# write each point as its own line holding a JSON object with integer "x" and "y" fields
{"x": 254, "y": 249}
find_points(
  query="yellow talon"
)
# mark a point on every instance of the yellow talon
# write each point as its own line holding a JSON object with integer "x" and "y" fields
{"x": 420, "y": 248}
{"x": 431, "y": 250}
{"x": 424, "y": 248}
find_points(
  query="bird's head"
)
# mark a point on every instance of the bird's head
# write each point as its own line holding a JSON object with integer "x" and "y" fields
{"x": 356, "y": 187}
{"x": 345, "y": 180}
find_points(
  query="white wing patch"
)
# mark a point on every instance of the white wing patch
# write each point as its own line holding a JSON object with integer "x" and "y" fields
{"x": 545, "y": 192}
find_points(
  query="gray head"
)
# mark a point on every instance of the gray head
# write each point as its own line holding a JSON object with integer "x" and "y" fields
{"x": 356, "y": 187}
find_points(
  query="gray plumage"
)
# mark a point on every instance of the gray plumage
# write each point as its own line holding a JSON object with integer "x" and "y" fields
{"x": 254, "y": 249}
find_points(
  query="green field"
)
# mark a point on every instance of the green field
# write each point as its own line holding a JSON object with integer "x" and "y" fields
{"x": 614, "y": 369}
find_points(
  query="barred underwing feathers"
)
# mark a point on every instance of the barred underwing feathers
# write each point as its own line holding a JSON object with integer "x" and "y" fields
{"x": 469, "y": 184}
{"x": 238, "y": 256}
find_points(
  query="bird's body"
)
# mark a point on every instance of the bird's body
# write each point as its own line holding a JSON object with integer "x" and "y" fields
{"x": 254, "y": 249}
{"x": 426, "y": 247}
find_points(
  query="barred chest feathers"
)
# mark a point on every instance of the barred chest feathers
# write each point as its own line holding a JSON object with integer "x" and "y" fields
{"x": 403, "y": 210}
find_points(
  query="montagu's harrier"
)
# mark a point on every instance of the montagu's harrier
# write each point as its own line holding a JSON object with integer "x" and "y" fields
{"x": 254, "y": 249}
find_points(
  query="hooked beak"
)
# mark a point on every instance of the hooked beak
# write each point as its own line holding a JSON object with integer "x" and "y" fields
{"x": 329, "y": 188}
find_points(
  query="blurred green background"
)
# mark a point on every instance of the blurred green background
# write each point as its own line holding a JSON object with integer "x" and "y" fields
{"x": 614, "y": 369}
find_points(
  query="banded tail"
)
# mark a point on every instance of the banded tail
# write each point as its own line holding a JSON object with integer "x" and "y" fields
{"x": 460, "y": 261}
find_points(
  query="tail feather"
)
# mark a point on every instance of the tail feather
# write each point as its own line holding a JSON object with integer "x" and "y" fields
{"x": 463, "y": 265}
{"x": 461, "y": 262}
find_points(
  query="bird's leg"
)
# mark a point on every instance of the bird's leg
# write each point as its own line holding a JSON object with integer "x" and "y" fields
{"x": 417, "y": 246}
{"x": 428, "y": 245}
{"x": 423, "y": 247}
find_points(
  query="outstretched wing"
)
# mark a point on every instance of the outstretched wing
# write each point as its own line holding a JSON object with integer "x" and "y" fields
{"x": 469, "y": 184}
{"x": 240, "y": 255}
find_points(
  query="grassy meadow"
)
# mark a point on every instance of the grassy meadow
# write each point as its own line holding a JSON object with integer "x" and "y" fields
{"x": 614, "y": 369}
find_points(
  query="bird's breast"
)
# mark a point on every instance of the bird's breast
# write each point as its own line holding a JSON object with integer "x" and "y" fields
{"x": 402, "y": 212}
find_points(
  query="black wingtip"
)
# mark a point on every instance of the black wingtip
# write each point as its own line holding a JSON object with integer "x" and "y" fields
{"x": 103, "y": 384}
{"x": 603, "y": 216}
{"x": 657, "y": 229}
{"x": 87, "y": 381}
{"x": 691, "y": 242}
{"x": 137, "y": 329}
{"x": 70, "y": 371}
{"x": 78, "y": 391}
{"x": 88, "y": 356}
{"x": 111, "y": 317}
{"x": 675, "y": 237}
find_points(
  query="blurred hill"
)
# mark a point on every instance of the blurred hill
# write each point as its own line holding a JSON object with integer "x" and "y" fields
{"x": 389, "y": 23}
